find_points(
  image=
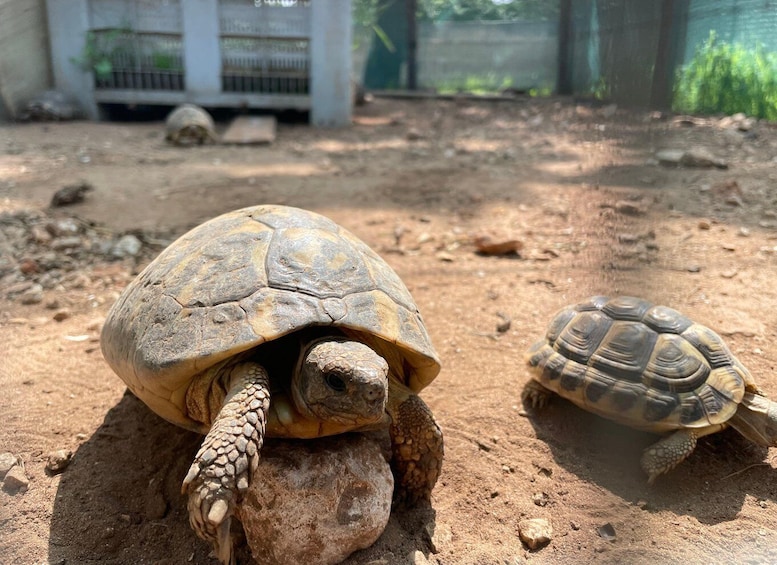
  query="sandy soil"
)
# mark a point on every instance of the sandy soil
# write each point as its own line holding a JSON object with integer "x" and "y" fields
{"x": 578, "y": 186}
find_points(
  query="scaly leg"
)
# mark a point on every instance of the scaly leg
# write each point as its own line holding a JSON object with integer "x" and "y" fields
{"x": 417, "y": 446}
{"x": 667, "y": 453}
{"x": 222, "y": 467}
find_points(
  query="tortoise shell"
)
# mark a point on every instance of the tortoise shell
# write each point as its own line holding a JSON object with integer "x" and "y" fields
{"x": 189, "y": 123}
{"x": 249, "y": 277}
{"x": 642, "y": 365}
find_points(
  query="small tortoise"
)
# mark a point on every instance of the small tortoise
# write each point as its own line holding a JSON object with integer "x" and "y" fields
{"x": 273, "y": 321}
{"x": 188, "y": 124}
{"x": 51, "y": 106}
{"x": 651, "y": 368}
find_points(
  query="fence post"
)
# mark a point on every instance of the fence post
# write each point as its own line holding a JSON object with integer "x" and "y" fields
{"x": 201, "y": 48}
{"x": 68, "y": 26}
{"x": 564, "y": 79}
{"x": 330, "y": 63}
{"x": 669, "y": 53}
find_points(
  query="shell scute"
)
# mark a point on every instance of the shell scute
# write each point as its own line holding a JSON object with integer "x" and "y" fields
{"x": 625, "y": 350}
{"x": 709, "y": 343}
{"x": 582, "y": 335}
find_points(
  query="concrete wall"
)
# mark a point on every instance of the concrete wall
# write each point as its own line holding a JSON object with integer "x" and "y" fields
{"x": 24, "y": 54}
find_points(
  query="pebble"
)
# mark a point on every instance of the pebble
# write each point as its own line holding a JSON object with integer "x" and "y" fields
{"x": 606, "y": 532}
{"x": 629, "y": 208}
{"x": 66, "y": 242}
{"x": 61, "y": 315}
{"x": 7, "y": 461}
{"x": 438, "y": 536}
{"x": 540, "y": 498}
{"x": 126, "y": 246}
{"x": 15, "y": 480}
{"x": 33, "y": 295}
{"x": 417, "y": 558}
{"x": 58, "y": 461}
{"x": 535, "y": 532}
{"x": 704, "y": 224}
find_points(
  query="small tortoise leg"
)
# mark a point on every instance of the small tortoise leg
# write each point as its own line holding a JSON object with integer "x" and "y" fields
{"x": 417, "y": 448}
{"x": 667, "y": 453}
{"x": 535, "y": 395}
{"x": 230, "y": 452}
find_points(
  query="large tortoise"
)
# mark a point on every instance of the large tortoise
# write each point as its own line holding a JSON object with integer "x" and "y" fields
{"x": 651, "y": 368}
{"x": 189, "y": 124}
{"x": 275, "y": 321}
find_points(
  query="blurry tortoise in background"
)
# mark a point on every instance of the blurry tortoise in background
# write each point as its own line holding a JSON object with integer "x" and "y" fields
{"x": 188, "y": 124}
{"x": 274, "y": 321}
{"x": 651, "y": 368}
{"x": 51, "y": 106}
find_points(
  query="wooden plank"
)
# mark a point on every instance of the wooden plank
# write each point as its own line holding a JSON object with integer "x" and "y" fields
{"x": 250, "y": 130}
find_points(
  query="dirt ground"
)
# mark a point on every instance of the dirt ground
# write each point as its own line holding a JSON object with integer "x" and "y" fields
{"x": 577, "y": 184}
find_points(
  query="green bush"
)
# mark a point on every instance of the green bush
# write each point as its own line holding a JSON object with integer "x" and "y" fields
{"x": 728, "y": 78}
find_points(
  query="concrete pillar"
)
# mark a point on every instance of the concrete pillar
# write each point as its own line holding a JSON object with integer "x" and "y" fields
{"x": 201, "y": 49}
{"x": 68, "y": 26}
{"x": 330, "y": 63}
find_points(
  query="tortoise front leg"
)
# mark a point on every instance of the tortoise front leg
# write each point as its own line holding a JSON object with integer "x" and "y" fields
{"x": 667, "y": 453}
{"x": 222, "y": 467}
{"x": 417, "y": 447}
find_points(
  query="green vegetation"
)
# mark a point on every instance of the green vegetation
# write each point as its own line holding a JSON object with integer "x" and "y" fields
{"x": 475, "y": 84}
{"x": 95, "y": 58}
{"x": 728, "y": 78}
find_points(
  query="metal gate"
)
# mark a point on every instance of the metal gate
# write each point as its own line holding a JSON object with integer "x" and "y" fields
{"x": 265, "y": 46}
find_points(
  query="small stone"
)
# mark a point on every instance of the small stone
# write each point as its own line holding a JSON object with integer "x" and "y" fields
{"x": 445, "y": 257}
{"x": 58, "y": 461}
{"x": 417, "y": 558}
{"x": 693, "y": 268}
{"x": 7, "y": 462}
{"x": 606, "y": 532}
{"x": 40, "y": 235}
{"x": 630, "y": 208}
{"x": 535, "y": 532}
{"x": 66, "y": 242}
{"x": 15, "y": 480}
{"x": 126, "y": 246}
{"x": 33, "y": 295}
{"x": 71, "y": 194}
{"x": 670, "y": 157}
{"x": 413, "y": 135}
{"x": 575, "y": 526}
{"x": 540, "y": 498}
{"x": 704, "y": 224}
{"x": 485, "y": 245}
{"x": 29, "y": 266}
{"x": 437, "y": 535}
{"x": 61, "y": 315}
{"x": 701, "y": 157}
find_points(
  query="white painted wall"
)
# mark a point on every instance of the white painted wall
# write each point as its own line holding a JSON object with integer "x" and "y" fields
{"x": 24, "y": 54}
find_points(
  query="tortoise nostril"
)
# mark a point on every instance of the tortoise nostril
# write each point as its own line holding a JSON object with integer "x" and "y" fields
{"x": 374, "y": 392}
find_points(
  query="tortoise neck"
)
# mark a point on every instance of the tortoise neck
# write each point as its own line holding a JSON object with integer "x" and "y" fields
{"x": 756, "y": 419}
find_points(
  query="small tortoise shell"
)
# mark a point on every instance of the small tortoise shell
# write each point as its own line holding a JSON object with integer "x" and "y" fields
{"x": 642, "y": 365}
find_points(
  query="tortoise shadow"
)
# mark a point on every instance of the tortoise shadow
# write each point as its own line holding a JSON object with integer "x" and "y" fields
{"x": 119, "y": 502}
{"x": 710, "y": 485}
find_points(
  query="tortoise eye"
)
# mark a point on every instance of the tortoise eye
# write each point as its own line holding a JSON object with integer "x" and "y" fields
{"x": 335, "y": 382}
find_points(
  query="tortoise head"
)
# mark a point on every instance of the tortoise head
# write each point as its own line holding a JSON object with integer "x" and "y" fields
{"x": 342, "y": 381}
{"x": 756, "y": 419}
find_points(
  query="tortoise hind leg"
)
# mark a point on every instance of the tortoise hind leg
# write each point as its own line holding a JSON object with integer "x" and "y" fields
{"x": 417, "y": 447}
{"x": 229, "y": 453}
{"x": 667, "y": 453}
